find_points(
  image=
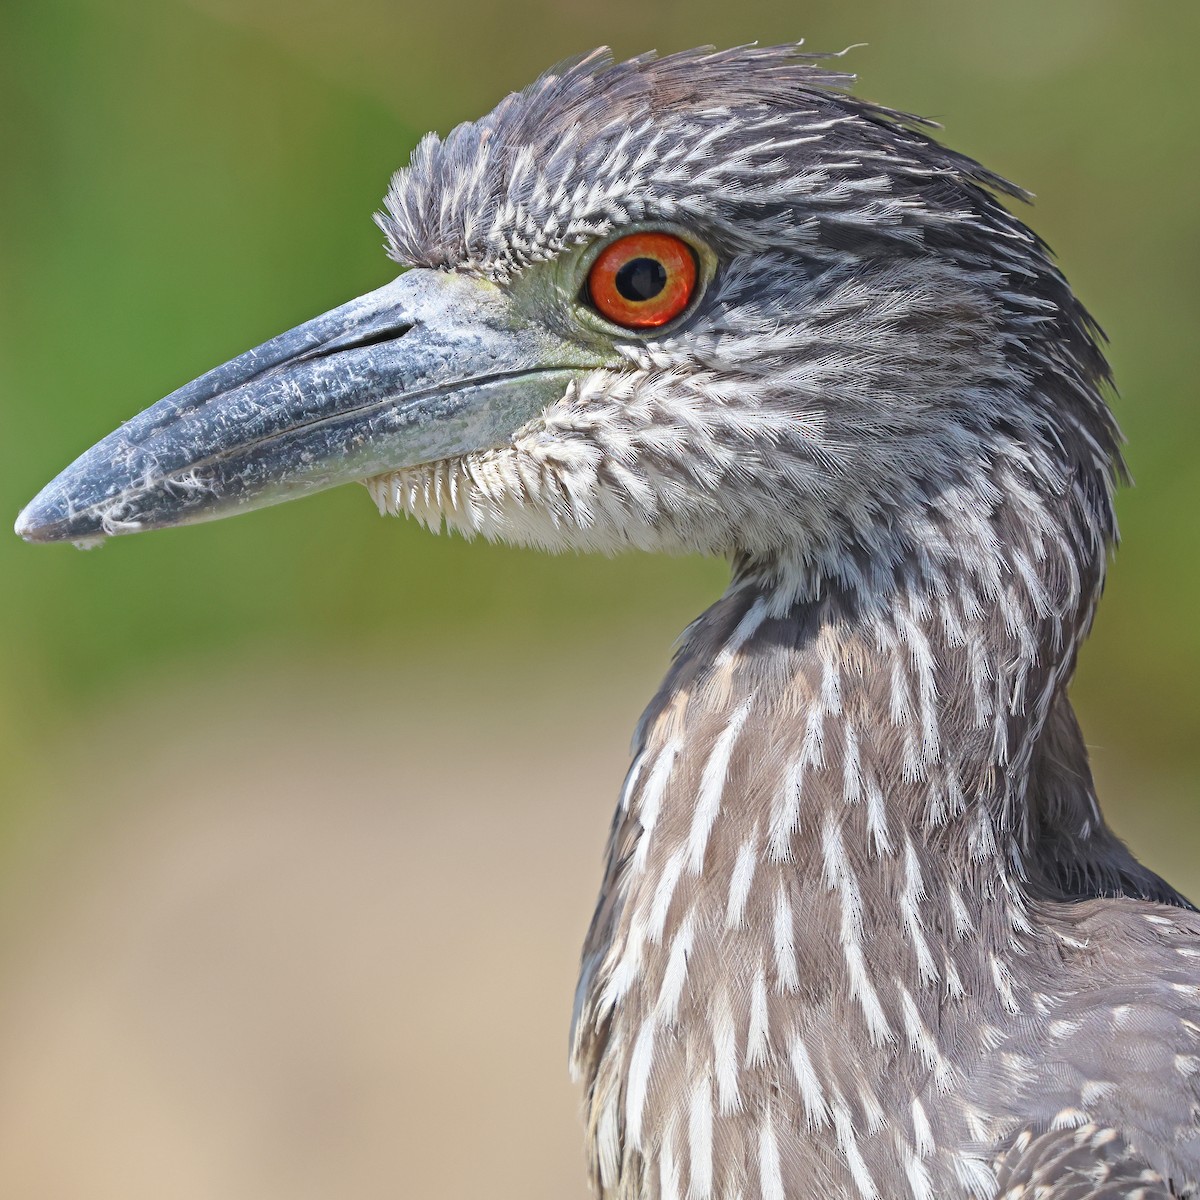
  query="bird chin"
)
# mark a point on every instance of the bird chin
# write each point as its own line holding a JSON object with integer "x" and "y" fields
{"x": 501, "y": 495}
{"x": 527, "y": 497}
{"x": 479, "y": 494}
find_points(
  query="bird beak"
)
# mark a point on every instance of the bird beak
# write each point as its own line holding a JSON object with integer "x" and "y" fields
{"x": 433, "y": 365}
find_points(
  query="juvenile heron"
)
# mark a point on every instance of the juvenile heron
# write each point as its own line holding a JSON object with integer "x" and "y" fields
{"x": 863, "y": 930}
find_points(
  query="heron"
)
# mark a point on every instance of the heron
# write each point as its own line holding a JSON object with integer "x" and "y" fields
{"x": 863, "y": 930}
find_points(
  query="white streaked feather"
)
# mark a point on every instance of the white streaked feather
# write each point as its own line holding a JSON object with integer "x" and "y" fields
{"x": 740, "y": 881}
{"x": 675, "y": 975}
{"x": 712, "y": 785}
{"x": 770, "y": 1176}
{"x": 816, "y": 1110}
{"x": 843, "y": 1124}
{"x": 650, "y": 798}
{"x": 638, "y": 1080}
{"x": 758, "y": 1037}
{"x": 725, "y": 1057}
{"x": 700, "y": 1141}
{"x": 786, "y": 968}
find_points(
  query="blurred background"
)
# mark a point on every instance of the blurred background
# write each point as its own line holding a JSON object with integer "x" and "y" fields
{"x": 302, "y": 814}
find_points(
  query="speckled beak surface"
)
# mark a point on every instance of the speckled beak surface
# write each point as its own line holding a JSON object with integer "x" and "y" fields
{"x": 432, "y": 365}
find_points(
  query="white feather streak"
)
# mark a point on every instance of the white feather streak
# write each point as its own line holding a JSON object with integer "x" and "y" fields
{"x": 675, "y": 975}
{"x": 758, "y": 1037}
{"x": 922, "y": 1130}
{"x": 712, "y": 784}
{"x": 811, "y": 1093}
{"x": 725, "y": 1064}
{"x": 650, "y": 799}
{"x": 844, "y": 1125}
{"x": 700, "y": 1141}
{"x": 785, "y": 813}
{"x": 740, "y": 881}
{"x": 638, "y": 1081}
{"x": 785, "y": 944}
{"x": 770, "y": 1177}
{"x": 664, "y": 892}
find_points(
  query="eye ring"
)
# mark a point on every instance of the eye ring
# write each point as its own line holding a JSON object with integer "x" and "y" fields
{"x": 643, "y": 280}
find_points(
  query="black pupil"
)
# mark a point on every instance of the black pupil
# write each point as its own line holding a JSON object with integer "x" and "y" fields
{"x": 641, "y": 279}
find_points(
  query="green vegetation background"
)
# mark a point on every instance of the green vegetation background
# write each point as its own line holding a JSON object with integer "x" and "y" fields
{"x": 179, "y": 181}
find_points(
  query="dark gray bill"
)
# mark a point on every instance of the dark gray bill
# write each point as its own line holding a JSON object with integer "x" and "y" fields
{"x": 433, "y": 365}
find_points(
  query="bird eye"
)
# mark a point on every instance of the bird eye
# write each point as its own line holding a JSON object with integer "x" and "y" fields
{"x": 643, "y": 280}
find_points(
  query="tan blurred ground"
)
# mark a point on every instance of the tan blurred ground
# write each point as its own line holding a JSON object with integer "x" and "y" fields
{"x": 310, "y": 937}
{"x": 312, "y": 931}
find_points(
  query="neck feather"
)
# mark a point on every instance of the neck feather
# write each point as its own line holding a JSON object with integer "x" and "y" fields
{"x": 822, "y": 847}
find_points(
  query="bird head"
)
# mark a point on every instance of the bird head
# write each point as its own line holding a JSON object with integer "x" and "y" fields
{"x": 708, "y": 302}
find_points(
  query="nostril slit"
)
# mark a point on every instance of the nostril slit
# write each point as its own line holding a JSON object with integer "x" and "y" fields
{"x": 373, "y": 337}
{"x": 382, "y": 335}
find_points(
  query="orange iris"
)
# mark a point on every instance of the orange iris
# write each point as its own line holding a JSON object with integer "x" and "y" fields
{"x": 643, "y": 280}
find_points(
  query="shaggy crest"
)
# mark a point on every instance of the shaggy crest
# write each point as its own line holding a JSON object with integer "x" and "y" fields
{"x": 704, "y": 135}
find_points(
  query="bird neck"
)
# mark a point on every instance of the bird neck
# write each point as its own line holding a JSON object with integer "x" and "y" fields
{"x": 821, "y": 847}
